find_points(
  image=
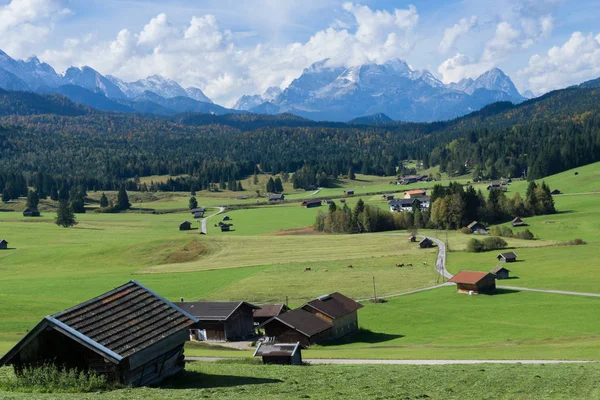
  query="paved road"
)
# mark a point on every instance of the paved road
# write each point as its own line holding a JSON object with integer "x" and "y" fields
{"x": 221, "y": 209}
{"x": 407, "y": 362}
{"x": 405, "y": 293}
{"x": 550, "y": 291}
{"x": 440, "y": 262}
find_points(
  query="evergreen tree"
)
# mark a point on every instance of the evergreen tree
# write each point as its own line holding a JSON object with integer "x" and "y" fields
{"x": 32, "y": 199}
{"x": 77, "y": 197}
{"x": 270, "y": 185}
{"x": 332, "y": 207}
{"x": 240, "y": 187}
{"x": 65, "y": 216}
{"x": 54, "y": 193}
{"x": 351, "y": 174}
{"x": 123, "y": 200}
{"x": 278, "y": 187}
{"x": 103, "y": 201}
{"x": 193, "y": 203}
{"x": 63, "y": 193}
{"x": 5, "y": 196}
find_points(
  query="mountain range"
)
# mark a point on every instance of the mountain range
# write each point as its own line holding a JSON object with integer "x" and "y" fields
{"x": 325, "y": 92}
{"x": 377, "y": 92}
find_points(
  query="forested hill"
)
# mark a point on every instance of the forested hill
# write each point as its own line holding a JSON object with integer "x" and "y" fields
{"x": 77, "y": 144}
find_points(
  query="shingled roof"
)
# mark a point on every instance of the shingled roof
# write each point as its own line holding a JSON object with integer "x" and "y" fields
{"x": 116, "y": 324}
{"x": 276, "y": 349}
{"x": 470, "y": 277}
{"x": 302, "y": 321}
{"x": 334, "y": 305}
{"x": 212, "y": 310}
{"x": 270, "y": 310}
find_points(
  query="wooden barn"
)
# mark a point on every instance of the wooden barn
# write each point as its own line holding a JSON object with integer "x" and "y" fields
{"x": 31, "y": 212}
{"x": 338, "y": 310}
{"x": 388, "y": 197}
{"x": 276, "y": 197}
{"x": 199, "y": 214}
{"x": 477, "y": 227}
{"x": 518, "y": 222}
{"x": 501, "y": 272}
{"x": 220, "y": 321}
{"x": 225, "y": 227}
{"x": 131, "y": 335}
{"x": 268, "y": 311}
{"x": 279, "y": 353}
{"x": 426, "y": 243}
{"x": 3, "y": 244}
{"x": 471, "y": 282}
{"x": 198, "y": 210}
{"x": 412, "y": 238}
{"x": 185, "y": 226}
{"x": 507, "y": 257}
{"x": 312, "y": 203}
{"x": 297, "y": 326}
{"x": 555, "y": 192}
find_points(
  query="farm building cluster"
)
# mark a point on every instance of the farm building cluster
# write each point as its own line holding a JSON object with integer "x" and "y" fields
{"x": 413, "y": 199}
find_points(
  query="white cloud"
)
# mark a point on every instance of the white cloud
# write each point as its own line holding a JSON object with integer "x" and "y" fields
{"x": 452, "y": 34}
{"x": 575, "y": 61}
{"x": 24, "y": 23}
{"x": 205, "y": 55}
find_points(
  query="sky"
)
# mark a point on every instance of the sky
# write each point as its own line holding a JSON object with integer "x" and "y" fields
{"x": 229, "y": 48}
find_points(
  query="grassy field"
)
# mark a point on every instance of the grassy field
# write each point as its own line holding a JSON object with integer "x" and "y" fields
{"x": 244, "y": 381}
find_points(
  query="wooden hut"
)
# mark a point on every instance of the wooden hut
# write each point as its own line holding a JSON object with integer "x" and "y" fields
{"x": 267, "y": 311}
{"x": 199, "y": 214}
{"x": 276, "y": 197}
{"x": 471, "y": 282}
{"x": 518, "y": 222}
{"x": 131, "y": 335}
{"x": 279, "y": 353}
{"x": 477, "y": 227}
{"x": 426, "y": 243}
{"x": 507, "y": 257}
{"x": 225, "y": 227}
{"x": 312, "y": 203}
{"x": 185, "y": 226}
{"x": 338, "y": 310}
{"x": 412, "y": 238}
{"x": 297, "y": 326}
{"x": 555, "y": 192}
{"x": 220, "y": 321}
{"x": 31, "y": 212}
{"x": 501, "y": 272}
{"x": 3, "y": 244}
{"x": 349, "y": 192}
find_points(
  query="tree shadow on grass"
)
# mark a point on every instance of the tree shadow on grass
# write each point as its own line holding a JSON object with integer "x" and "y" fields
{"x": 363, "y": 336}
{"x": 197, "y": 380}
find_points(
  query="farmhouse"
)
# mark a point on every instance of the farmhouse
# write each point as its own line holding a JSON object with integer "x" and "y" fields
{"x": 398, "y": 205}
{"x": 279, "y": 353}
{"x": 3, "y": 244}
{"x": 268, "y": 311}
{"x": 507, "y": 257}
{"x": 131, "y": 335}
{"x": 297, "y": 326}
{"x": 220, "y": 321}
{"x": 471, "y": 282}
{"x": 312, "y": 203}
{"x": 185, "y": 226}
{"x": 276, "y": 197}
{"x": 338, "y": 310}
{"x": 349, "y": 192}
{"x": 426, "y": 243}
{"x": 500, "y": 272}
{"x": 413, "y": 194}
{"x": 476, "y": 227}
{"x": 518, "y": 222}
{"x": 31, "y": 212}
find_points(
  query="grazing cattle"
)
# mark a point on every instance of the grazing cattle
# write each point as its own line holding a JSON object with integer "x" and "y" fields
{"x": 399, "y": 265}
{"x": 307, "y": 269}
{"x": 424, "y": 263}
{"x": 350, "y": 266}
{"x": 325, "y": 270}
{"x": 409, "y": 265}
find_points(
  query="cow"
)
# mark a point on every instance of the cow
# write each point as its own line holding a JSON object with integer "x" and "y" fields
{"x": 350, "y": 266}
{"x": 399, "y": 265}
{"x": 307, "y": 269}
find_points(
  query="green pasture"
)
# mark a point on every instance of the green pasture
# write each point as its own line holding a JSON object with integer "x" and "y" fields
{"x": 235, "y": 380}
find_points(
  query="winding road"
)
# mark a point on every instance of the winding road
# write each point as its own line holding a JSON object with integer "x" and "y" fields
{"x": 203, "y": 222}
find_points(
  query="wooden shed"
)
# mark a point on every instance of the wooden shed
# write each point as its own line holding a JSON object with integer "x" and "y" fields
{"x": 267, "y": 311}
{"x": 501, "y": 272}
{"x": 276, "y": 197}
{"x": 477, "y": 227}
{"x": 199, "y": 214}
{"x": 338, "y": 310}
{"x": 220, "y": 321}
{"x": 312, "y": 203}
{"x": 426, "y": 243}
{"x": 3, "y": 244}
{"x": 185, "y": 226}
{"x": 279, "y": 353}
{"x": 518, "y": 222}
{"x": 412, "y": 238}
{"x": 31, "y": 212}
{"x": 297, "y": 326}
{"x": 131, "y": 335}
{"x": 349, "y": 192}
{"x": 507, "y": 257}
{"x": 471, "y": 282}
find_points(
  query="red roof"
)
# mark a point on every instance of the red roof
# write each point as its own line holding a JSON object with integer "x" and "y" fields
{"x": 415, "y": 192}
{"x": 470, "y": 277}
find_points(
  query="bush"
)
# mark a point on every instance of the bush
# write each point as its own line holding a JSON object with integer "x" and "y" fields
{"x": 502, "y": 231}
{"x": 465, "y": 230}
{"x": 52, "y": 379}
{"x": 494, "y": 243}
{"x": 524, "y": 235}
{"x": 475, "y": 246}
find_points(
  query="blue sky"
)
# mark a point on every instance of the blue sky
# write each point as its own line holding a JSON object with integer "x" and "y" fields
{"x": 233, "y": 47}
